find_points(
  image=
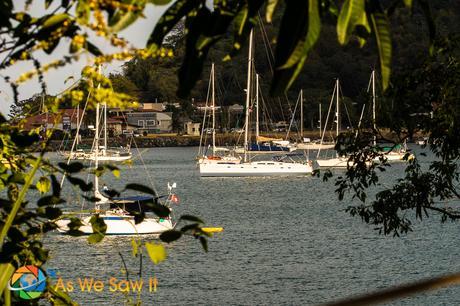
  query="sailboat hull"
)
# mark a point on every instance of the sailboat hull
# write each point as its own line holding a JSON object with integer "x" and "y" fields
{"x": 122, "y": 225}
{"x": 259, "y": 168}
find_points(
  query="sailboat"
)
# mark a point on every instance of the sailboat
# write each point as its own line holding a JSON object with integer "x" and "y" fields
{"x": 254, "y": 168}
{"x": 216, "y": 155}
{"x": 105, "y": 154}
{"x": 117, "y": 212}
{"x": 310, "y": 145}
{"x": 390, "y": 153}
{"x": 337, "y": 161}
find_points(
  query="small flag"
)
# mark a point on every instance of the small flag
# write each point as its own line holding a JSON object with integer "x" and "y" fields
{"x": 174, "y": 198}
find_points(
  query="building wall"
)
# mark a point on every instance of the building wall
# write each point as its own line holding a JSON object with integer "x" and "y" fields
{"x": 151, "y": 122}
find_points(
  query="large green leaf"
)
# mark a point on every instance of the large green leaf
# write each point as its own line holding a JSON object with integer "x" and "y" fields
{"x": 122, "y": 19}
{"x": 350, "y": 14}
{"x": 382, "y": 36}
{"x": 54, "y": 20}
{"x": 270, "y": 9}
{"x": 304, "y": 46}
{"x": 294, "y": 26}
{"x": 169, "y": 19}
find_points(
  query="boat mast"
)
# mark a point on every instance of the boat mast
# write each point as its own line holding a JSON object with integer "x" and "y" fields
{"x": 373, "y": 107}
{"x": 78, "y": 120}
{"x": 301, "y": 114}
{"x": 320, "y": 119}
{"x": 257, "y": 107}
{"x": 96, "y": 149}
{"x": 248, "y": 97}
{"x": 337, "y": 114}
{"x": 213, "y": 111}
{"x": 105, "y": 129}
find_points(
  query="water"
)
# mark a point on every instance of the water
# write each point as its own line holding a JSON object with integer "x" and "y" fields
{"x": 287, "y": 241}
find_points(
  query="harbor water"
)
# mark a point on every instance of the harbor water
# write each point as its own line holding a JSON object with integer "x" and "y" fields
{"x": 287, "y": 241}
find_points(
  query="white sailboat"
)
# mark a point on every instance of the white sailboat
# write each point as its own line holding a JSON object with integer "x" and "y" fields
{"x": 311, "y": 145}
{"x": 337, "y": 161}
{"x": 105, "y": 154}
{"x": 116, "y": 212}
{"x": 218, "y": 154}
{"x": 394, "y": 153}
{"x": 253, "y": 168}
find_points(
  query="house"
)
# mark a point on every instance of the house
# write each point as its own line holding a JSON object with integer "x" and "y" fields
{"x": 192, "y": 129}
{"x": 150, "y": 122}
{"x": 153, "y": 107}
{"x": 66, "y": 119}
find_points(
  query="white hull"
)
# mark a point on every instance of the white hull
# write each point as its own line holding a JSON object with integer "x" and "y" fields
{"x": 219, "y": 159}
{"x": 394, "y": 157}
{"x": 240, "y": 150}
{"x": 258, "y": 168}
{"x": 122, "y": 225}
{"x": 113, "y": 156}
{"x": 338, "y": 162}
{"x": 314, "y": 146}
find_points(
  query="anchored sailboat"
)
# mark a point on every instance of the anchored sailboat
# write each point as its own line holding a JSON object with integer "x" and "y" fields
{"x": 218, "y": 154}
{"x": 117, "y": 213}
{"x": 254, "y": 168}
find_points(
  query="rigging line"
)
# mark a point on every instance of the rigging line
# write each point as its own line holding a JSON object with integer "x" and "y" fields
{"x": 78, "y": 129}
{"x": 268, "y": 52}
{"x": 340, "y": 92}
{"x": 204, "y": 118}
{"x": 292, "y": 119}
{"x": 271, "y": 60}
{"x": 327, "y": 119}
{"x": 142, "y": 161}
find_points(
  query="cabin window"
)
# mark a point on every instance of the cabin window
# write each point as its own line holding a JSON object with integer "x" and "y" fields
{"x": 150, "y": 122}
{"x": 141, "y": 123}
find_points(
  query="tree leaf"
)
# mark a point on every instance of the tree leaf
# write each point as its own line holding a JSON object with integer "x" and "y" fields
{"x": 49, "y": 200}
{"x": 123, "y": 19}
{"x": 382, "y": 36}
{"x": 157, "y": 252}
{"x": 160, "y": 2}
{"x": 80, "y": 183}
{"x": 43, "y": 185}
{"x": 204, "y": 243}
{"x": 170, "y": 236}
{"x": 269, "y": 9}
{"x": 141, "y": 188}
{"x": 304, "y": 46}
{"x": 83, "y": 11}
{"x": 72, "y": 167}
{"x": 191, "y": 218}
{"x": 169, "y": 19}
{"x": 349, "y": 16}
{"x": 95, "y": 238}
{"x": 54, "y": 20}
{"x": 408, "y": 3}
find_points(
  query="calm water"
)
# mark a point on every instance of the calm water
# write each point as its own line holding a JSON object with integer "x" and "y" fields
{"x": 287, "y": 241}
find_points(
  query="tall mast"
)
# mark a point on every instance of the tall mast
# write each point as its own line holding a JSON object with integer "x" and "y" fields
{"x": 373, "y": 107}
{"x": 257, "y": 107}
{"x": 301, "y": 114}
{"x": 78, "y": 120}
{"x": 320, "y": 123}
{"x": 213, "y": 111}
{"x": 338, "y": 109}
{"x": 105, "y": 129}
{"x": 248, "y": 97}
{"x": 96, "y": 148}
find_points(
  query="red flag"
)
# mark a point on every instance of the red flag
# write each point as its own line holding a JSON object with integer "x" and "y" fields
{"x": 174, "y": 198}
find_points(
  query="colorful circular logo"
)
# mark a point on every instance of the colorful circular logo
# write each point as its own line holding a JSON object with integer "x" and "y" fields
{"x": 28, "y": 282}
